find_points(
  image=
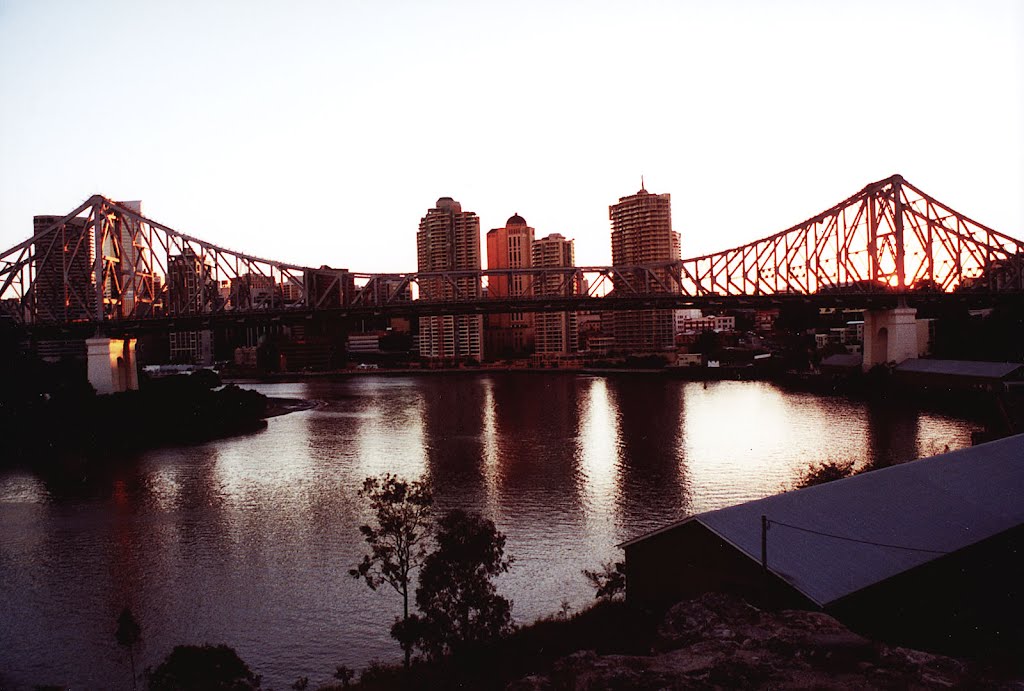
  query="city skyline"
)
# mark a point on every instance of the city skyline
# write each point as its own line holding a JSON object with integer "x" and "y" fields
{"x": 292, "y": 133}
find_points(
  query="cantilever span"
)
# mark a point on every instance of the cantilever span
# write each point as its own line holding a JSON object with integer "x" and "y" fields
{"x": 106, "y": 262}
{"x": 890, "y": 236}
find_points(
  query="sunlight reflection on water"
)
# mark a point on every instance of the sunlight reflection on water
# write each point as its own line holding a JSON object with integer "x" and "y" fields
{"x": 248, "y": 540}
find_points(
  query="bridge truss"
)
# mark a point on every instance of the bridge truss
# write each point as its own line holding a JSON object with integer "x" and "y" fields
{"x": 105, "y": 262}
{"x": 889, "y": 237}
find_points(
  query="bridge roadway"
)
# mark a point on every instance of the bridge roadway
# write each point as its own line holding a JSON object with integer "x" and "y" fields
{"x": 581, "y": 303}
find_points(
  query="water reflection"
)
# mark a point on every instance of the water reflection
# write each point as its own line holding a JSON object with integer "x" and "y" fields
{"x": 248, "y": 540}
{"x": 650, "y": 460}
{"x": 453, "y": 430}
{"x": 597, "y": 456}
{"x": 892, "y": 436}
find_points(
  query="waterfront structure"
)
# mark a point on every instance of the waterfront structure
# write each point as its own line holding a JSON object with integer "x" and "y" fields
{"x": 449, "y": 240}
{"x": 924, "y": 552}
{"x": 63, "y": 288}
{"x": 509, "y": 334}
{"x": 641, "y": 234}
{"x": 556, "y": 333}
{"x": 957, "y": 375}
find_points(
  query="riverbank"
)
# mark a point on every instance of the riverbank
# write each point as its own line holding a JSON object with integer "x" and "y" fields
{"x": 683, "y": 373}
{"x": 711, "y": 642}
{"x": 178, "y": 410}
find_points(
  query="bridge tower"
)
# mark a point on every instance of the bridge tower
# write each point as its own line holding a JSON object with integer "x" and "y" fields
{"x": 111, "y": 364}
{"x": 890, "y": 336}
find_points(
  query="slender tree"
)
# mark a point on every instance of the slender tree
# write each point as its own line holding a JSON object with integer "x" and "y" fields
{"x": 128, "y": 635}
{"x": 397, "y": 540}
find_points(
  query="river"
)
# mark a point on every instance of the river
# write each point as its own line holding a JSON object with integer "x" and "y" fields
{"x": 248, "y": 540}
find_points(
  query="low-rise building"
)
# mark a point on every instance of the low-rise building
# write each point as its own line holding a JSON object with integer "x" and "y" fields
{"x": 925, "y": 553}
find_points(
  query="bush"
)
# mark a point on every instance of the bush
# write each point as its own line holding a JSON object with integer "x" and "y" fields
{"x": 203, "y": 668}
{"x": 820, "y": 473}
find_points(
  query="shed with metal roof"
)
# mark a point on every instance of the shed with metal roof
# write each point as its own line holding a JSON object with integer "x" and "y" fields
{"x": 958, "y": 374}
{"x": 913, "y": 548}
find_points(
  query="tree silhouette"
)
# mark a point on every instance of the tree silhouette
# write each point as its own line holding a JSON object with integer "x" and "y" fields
{"x": 402, "y": 512}
{"x": 128, "y": 634}
{"x": 459, "y": 603}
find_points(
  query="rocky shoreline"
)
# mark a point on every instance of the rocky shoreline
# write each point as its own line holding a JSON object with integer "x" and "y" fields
{"x": 720, "y": 642}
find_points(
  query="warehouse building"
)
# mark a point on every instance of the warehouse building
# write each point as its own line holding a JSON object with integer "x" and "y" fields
{"x": 928, "y": 553}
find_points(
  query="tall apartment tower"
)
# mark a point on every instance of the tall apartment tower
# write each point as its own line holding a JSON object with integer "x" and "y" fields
{"x": 509, "y": 334}
{"x": 641, "y": 234}
{"x": 556, "y": 333}
{"x": 449, "y": 240}
{"x": 63, "y": 288}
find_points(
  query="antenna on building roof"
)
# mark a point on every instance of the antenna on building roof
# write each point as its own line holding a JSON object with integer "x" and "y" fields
{"x": 642, "y": 189}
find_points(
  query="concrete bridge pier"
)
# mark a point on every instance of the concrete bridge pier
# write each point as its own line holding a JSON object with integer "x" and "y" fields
{"x": 890, "y": 336}
{"x": 111, "y": 363}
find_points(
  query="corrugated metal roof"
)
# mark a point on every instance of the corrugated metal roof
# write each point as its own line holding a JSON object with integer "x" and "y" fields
{"x": 944, "y": 503}
{"x": 963, "y": 368}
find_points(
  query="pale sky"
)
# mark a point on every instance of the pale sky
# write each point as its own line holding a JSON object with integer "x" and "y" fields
{"x": 320, "y": 132}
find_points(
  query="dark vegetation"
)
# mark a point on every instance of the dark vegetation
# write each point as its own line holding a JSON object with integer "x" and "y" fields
{"x": 397, "y": 541}
{"x": 820, "y": 473}
{"x": 202, "y": 668}
{"x": 47, "y": 409}
{"x": 463, "y": 629}
{"x": 608, "y": 627}
{"x": 996, "y": 336}
{"x": 459, "y": 606}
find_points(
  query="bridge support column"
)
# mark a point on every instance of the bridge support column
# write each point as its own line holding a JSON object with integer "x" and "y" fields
{"x": 112, "y": 366}
{"x": 890, "y": 336}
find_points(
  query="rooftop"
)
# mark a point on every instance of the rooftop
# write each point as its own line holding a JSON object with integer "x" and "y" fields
{"x": 963, "y": 368}
{"x": 835, "y": 539}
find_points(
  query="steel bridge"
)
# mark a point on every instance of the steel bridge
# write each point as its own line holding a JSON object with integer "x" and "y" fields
{"x": 105, "y": 264}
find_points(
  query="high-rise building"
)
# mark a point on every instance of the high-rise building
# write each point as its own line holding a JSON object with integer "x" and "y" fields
{"x": 509, "y": 334}
{"x": 642, "y": 234}
{"x": 63, "y": 287}
{"x": 449, "y": 240}
{"x": 190, "y": 289}
{"x": 556, "y": 333}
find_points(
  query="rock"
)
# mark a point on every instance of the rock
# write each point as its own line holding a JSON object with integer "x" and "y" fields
{"x": 720, "y": 642}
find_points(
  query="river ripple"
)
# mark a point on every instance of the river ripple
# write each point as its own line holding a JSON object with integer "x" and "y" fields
{"x": 248, "y": 540}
